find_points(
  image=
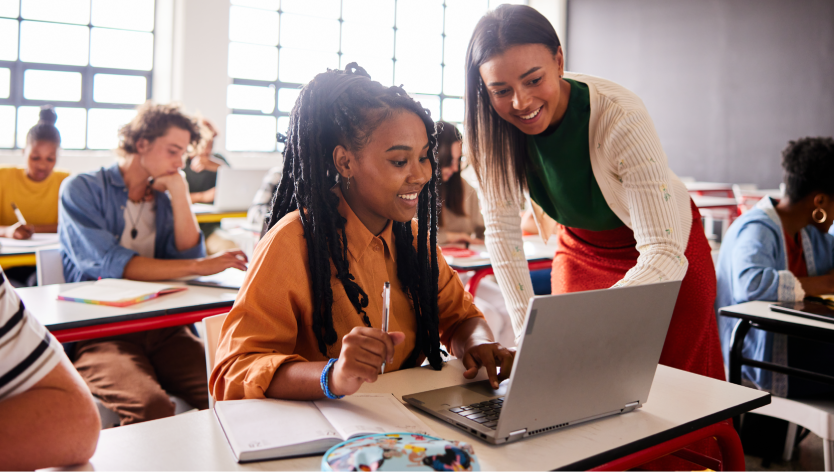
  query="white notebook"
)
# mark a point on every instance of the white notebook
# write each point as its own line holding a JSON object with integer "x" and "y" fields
{"x": 271, "y": 429}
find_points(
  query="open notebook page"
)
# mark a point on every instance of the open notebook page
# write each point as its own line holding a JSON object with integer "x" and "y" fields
{"x": 370, "y": 413}
{"x": 115, "y": 290}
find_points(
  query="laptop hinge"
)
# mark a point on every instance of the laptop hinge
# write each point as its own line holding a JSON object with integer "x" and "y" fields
{"x": 516, "y": 435}
{"x": 630, "y": 406}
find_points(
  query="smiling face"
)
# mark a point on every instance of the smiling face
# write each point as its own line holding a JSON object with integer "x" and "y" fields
{"x": 40, "y": 160}
{"x": 388, "y": 173}
{"x": 163, "y": 155}
{"x": 525, "y": 86}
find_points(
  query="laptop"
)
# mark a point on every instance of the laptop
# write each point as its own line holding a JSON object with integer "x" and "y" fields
{"x": 234, "y": 191}
{"x": 230, "y": 278}
{"x": 582, "y": 356}
{"x": 812, "y": 307}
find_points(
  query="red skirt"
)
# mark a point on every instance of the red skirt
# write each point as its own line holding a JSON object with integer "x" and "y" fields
{"x": 591, "y": 260}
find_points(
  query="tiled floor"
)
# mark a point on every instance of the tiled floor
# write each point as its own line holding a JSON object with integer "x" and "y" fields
{"x": 807, "y": 457}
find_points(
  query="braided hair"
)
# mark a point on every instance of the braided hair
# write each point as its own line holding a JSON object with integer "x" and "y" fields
{"x": 319, "y": 123}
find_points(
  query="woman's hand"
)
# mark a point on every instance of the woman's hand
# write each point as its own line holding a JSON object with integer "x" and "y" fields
{"x": 18, "y": 231}
{"x": 175, "y": 183}
{"x": 491, "y": 356}
{"x": 363, "y": 352}
{"x": 221, "y": 261}
{"x": 203, "y": 162}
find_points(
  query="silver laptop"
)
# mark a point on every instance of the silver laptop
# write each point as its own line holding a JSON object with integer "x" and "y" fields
{"x": 235, "y": 190}
{"x": 583, "y": 356}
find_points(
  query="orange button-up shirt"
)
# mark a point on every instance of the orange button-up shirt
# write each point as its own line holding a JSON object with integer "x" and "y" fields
{"x": 271, "y": 321}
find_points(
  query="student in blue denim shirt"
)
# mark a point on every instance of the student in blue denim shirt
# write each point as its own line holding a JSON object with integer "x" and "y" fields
{"x": 133, "y": 220}
{"x": 781, "y": 251}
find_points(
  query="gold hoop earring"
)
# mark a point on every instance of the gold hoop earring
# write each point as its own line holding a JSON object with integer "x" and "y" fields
{"x": 819, "y": 220}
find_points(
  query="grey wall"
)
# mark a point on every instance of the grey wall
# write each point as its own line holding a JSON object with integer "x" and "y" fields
{"x": 727, "y": 83}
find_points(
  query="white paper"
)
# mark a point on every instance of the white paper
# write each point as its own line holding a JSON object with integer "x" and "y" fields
{"x": 370, "y": 413}
{"x": 37, "y": 240}
{"x": 114, "y": 290}
{"x": 257, "y": 425}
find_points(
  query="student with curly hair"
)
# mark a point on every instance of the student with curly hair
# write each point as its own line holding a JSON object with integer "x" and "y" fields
{"x": 781, "y": 251}
{"x": 133, "y": 220}
{"x": 358, "y": 167}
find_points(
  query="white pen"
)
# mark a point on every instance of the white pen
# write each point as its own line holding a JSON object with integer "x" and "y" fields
{"x": 19, "y": 215}
{"x": 386, "y": 310}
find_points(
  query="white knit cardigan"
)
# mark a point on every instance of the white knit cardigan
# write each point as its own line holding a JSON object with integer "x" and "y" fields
{"x": 630, "y": 168}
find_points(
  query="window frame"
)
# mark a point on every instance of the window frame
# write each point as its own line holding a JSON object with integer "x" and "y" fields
{"x": 88, "y": 72}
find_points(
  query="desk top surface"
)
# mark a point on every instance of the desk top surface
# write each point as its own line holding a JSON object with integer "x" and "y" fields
{"x": 679, "y": 402}
{"x": 708, "y": 186}
{"x": 13, "y": 251}
{"x": 707, "y": 202}
{"x": 56, "y": 314}
{"x": 534, "y": 249}
{"x": 760, "y": 311}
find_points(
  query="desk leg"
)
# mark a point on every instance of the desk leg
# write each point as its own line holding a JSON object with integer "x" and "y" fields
{"x": 736, "y": 345}
{"x": 475, "y": 280}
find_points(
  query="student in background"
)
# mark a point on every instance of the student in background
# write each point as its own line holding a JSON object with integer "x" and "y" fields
{"x": 781, "y": 251}
{"x": 33, "y": 188}
{"x": 460, "y": 219}
{"x": 311, "y": 305}
{"x": 133, "y": 220}
{"x": 47, "y": 416}
{"x": 256, "y": 216}
{"x": 201, "y": 168}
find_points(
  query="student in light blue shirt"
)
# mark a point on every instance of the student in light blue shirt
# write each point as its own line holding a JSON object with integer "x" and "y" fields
{"x": 781, "y": 251}
{"x": 133, "y": 220}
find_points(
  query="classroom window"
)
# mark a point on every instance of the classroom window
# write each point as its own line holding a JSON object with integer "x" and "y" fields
{"x": 275, "y": 46}
{"x": 91, "y": 59}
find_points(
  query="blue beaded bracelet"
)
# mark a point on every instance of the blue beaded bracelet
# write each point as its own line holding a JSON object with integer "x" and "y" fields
{"x": 325, "y": 383}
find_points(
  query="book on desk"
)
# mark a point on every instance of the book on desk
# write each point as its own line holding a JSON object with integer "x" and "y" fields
{"x": 270, "y": 429}
{"x": 117, "y": 292}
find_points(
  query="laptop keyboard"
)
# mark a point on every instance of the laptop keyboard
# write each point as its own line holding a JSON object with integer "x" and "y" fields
{"x": 485, "y": 413}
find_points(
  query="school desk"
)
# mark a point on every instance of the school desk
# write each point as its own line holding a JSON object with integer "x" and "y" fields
{"x": 539, "y": 256}
{"x": 73, "y": 321}
{"x": 680, "y": 407}
{"x": 206, "y": 214}
{"x": 709, "y": 189}
{"x": 21, "y": 256}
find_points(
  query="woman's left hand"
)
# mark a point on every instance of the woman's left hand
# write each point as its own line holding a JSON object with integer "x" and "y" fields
{"x": 492, "y": 356}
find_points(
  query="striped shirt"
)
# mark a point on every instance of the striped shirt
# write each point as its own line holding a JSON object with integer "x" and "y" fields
{"x": 27, "y": 350}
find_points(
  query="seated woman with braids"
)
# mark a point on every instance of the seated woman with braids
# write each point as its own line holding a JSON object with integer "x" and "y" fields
{"x": 358, "y": 167}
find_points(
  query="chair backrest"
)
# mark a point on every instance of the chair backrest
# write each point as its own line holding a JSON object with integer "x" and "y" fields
{"x": 49, "y": 267}
{"x": 211, "y": 328}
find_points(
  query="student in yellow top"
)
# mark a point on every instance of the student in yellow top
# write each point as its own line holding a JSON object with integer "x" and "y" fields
{"x": 33, "y": 188}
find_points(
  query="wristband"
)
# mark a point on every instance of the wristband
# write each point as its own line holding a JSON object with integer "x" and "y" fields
{"x": 325, "y": 383}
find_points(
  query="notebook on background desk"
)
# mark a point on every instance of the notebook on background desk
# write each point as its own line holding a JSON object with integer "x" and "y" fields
{"x": 37, "y": 240}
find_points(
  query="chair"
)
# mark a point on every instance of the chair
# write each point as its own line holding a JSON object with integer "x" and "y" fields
{"x": 49, "y": 267}
{"x": 815, "y": 415}
{"x": 211, "y": 328}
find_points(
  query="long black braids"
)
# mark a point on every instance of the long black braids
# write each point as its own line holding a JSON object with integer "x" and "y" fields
{"x": 318, "y": 123}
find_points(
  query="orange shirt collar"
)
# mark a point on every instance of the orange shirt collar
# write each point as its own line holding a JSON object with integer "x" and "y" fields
{"x": 358, "y": 235}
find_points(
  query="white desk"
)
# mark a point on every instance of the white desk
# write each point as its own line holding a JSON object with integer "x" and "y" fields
{"x": 21, "y": 256}
{"x": 714, "y": 202}
{"x": 69, "y": 320}
{"x": 679, "y": 402}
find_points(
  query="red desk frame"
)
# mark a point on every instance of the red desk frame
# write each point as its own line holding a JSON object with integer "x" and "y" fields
{"x": 132, "y": 326}
{"x": 473, "y": 282}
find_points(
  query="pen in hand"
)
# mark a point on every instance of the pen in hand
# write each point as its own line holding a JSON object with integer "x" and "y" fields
{"x": 19, "y": 215}
{"x": 386, "y": 310}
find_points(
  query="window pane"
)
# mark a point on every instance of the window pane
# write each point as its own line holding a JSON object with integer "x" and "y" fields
{"x": 286, "y": 99}
{"x": 249, "y": 25}
{"x": 374, "y": 12}
{"x": 51, "y": 85}
{"x": 27, "y": 117}
{"x": 495, "y": 3}
{"x": 8, "y": 40}
{"x": 370, "y": 41}
{"x": 432, "y": 102}
{"x": 250, "y": 133}
{"x": 111, "y": 88}
{"x": 319, "y": 8}
{"x": 252, "y": 61}
{"x": 5, "y": 82}
{"x": 283, "y": 128}
{"x": 72, "y": 124}
{"x": 38, "y": 43}
{"x": 132, "y": 15}
{"x": 454, "y": 58}
{"x": 247, "y": 97}
{"x": 305, "y": 32}
{"x": 381, "y": 69}
{"x": 418, "y": 61}
{"x": 453, "y": 109}
{"x": 9, "y": 9}
{"x": 425, "y": 16}
{"x": 103, "y": 127}
{"x": 6, "y": 126}
{"x": 61, "y": 11}
{"x": 298, "y": 66}
{"x": 121, "y": 49}
{"x": 264, "y": 4}
{"x": 461, "y": 18}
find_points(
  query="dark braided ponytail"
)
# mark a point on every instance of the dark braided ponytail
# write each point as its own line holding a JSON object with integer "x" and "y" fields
{"x": 319, "y": 122}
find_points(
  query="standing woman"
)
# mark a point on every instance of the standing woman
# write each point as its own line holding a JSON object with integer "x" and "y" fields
{"x": 585, "y": 151}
